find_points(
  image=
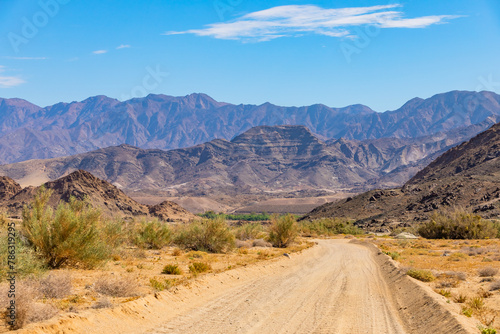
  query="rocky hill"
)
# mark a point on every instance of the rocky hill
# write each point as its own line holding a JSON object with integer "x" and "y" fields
{"x": 100, "y": 194}
{"x": 165, "y": 122}
{"x": 466, "y": 176}
{"x": 264, "y": 159}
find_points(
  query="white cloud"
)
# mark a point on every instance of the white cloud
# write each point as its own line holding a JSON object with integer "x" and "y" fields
{"x": 100, "y": 52}
{"x": 295, "y": 20}
{"x": 123, "y": 46}
{"x": 7, "y": 82}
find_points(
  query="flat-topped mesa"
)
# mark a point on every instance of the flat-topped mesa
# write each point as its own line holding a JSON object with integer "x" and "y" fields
{"x": 279, "y": 140}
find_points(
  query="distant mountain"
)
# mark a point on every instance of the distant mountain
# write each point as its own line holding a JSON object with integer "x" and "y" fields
{"x": 466, "y": 176}
{"x": 263, "y": 160}
{"x": 100, "y": 194}
{"x": 165, "y": 122}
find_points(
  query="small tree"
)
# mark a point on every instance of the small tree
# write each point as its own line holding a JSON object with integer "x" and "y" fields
{"x": 211, "y": 235}
{"x": 283, "y": 230}
{"x": 152, "y": 235}
{"x": 71, "y": 235}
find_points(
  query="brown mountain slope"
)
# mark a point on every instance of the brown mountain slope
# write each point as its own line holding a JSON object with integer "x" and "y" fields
{"x": 100, "y": 194}
{"x": 466, "y": 176}
{"x": 263, "y": 160}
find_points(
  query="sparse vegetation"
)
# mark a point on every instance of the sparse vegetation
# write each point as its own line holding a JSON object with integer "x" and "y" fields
{"x": 199, "y": 267}
{"x": 211, "y": 235}
{"x": 171, "y": 269}
{"x": 70, "y": 236}
{"x": 457, "y": 225}
{"x": 249, "y": 231}
{"x": 283, "y": 230}
{"x": 56, "y": 285}
{"x": 152, "y": 235}
{"x": 487, "y": 272}
{"x": 116, "y": 286}
{"x": 329, "y": 226}
{"x": 244, "y": 217}
{"x": 421, "y": 274}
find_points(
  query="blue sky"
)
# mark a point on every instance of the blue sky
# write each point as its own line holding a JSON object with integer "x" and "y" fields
{"x": 292, "y": 53}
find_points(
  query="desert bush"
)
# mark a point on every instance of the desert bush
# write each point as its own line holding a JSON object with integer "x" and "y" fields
{"x": 211, "y": 235}
{"x": 176, "y": 251}
{"x": 329, "y": 226}
{"x": 152, "y": 235}
{"x": 102, "y": 303}
{"x": 199, "y": 267}
{"x": 69, "y": 236}
{"x": 421, "y": 274}
{"x": 487, "y": 272}
{"x": 55, "y": 285}
{"x": 249, "y": 231}
{"x": 444, "y": 293}
{"x": 487, "y": 330}
{"x": 27, "y": 310}
{"x": 172, "y": 269}
{"x": 460, "y": 299}
{"x": 283, "y": 230}
{"x": 261, "y": 243}
{"x": 114, "y": 233}
{"x": 495, "y": 286}
{"x": 457, "y": 225}
{"x": 161, "y": 285}
{"x": 476, "y": 303}
{"x": 27, "y": 262}
{"x": 116, "y": 286}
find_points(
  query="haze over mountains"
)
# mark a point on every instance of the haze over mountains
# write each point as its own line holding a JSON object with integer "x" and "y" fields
{"x": 28, "y": 131}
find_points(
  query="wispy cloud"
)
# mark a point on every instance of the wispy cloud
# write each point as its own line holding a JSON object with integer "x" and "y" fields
{"x": 27, "y": 58}
{"x": 123, "y": 46}
{"x": 100, "y": 52}
{"x": 296, "y": 20}
{"x": 8, "y": 82}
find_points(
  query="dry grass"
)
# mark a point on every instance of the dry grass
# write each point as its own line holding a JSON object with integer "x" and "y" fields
{"x": 487, "y": 272}
{"x": 460, "y": 271}
{"x": 117, "y": 286}
{"x": 56, "y": 285}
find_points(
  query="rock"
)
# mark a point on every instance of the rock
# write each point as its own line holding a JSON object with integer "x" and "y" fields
{"x": 405, "y": 235}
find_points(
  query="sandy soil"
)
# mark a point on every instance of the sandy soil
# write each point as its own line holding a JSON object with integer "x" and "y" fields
{"x": 335, "y": 287}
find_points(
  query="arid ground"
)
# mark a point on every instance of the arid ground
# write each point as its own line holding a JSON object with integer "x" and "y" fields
{"x": 336, "y": 286}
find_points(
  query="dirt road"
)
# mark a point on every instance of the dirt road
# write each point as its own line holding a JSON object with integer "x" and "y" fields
{"x": 334, "y": 287}
{"x": 337, "y": 290}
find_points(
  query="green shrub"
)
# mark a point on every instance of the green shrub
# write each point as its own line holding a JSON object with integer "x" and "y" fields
{"x": 152, "y": 235}
{"x": 457, "y": 225}
{"x": 159, "y": 285}
{"x": 421, "y": 274}
{"x": 249, "y": 231}
{"x": 114, "y": 233}
{"x": 199, "y": 267}
{"x": 210, "y": 235}
{"x": 171, "y": 269}
{"x": 487, "y": 330}
{"x": 27, "y": 262}
{"x": 69, "y": 236}
{"x": 283, "y": 230}
{"x": 241, "y": 216}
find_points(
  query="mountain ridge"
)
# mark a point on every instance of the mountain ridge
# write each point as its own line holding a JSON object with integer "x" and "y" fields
{"x": 166, "y": 122}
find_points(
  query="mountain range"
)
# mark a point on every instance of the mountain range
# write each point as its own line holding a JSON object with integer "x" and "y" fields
{"x": 284, "y": 159}
{"x": 164, "y": 122}
{"x": 465, "y": 177}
